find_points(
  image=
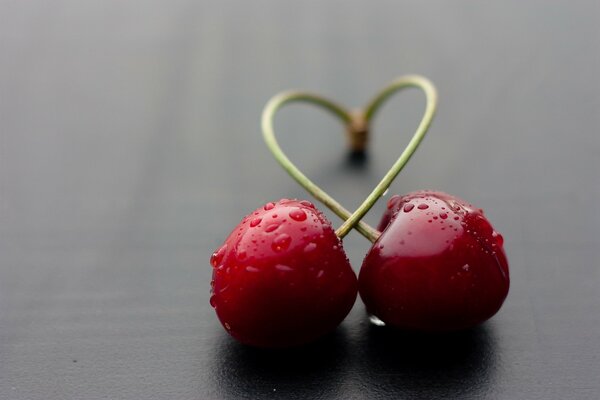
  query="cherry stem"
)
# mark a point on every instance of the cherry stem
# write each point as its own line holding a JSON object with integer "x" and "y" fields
{"x": 339, "y": 111}
{"x": 370, "y": 110}
{"x": 351, "y": 120}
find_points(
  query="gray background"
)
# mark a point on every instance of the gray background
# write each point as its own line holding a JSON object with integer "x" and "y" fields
{"x": 130, "y": 147}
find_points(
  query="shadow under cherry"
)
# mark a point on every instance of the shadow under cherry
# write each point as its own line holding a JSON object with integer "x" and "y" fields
{"x": 395, "y": 364}
{"x": 309, "y": 371}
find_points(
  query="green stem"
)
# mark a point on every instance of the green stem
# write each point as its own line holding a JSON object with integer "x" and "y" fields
{"x": 269, "y": 135}
{"x": 370, "y": 110}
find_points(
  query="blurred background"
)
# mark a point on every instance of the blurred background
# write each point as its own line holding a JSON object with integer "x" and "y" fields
{"x": 130, "y": 146}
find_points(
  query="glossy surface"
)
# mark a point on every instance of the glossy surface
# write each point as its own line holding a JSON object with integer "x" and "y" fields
{"x": 438, "y": 265}
{"x": 130, "y": 148}
{"x": 282, "y": 278}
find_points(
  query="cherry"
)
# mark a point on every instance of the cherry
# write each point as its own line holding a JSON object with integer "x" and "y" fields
{"x": 438, "y": 265}
{"x": 282, "y": 278}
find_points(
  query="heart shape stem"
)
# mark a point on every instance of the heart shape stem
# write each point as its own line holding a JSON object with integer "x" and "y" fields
{"x": 362, "y": 119}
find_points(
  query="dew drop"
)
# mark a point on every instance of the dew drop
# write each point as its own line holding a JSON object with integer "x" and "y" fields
{"x": 465, "y": 267}
{"x": 272, "y": 227}
{"x": 269, "y": 206}
{"x": 443, "y": 215}
{"x": 255, "y": 222}
{"x": 307, "y": 203}
{"x": 310, "y": 247}
{"x": 320, "y": 273}
{"x": 423, "y": 206}
{"x": 283, "y": 268}
{"x": 227, "y": 326}
{"x": 376, "y": 321}
{"x": 213, "y": 301}
{"x": 281, "y": 242}
{"x": 298, "y": 215}
{"x": 408, "y": 207}
{"x": 335, "y": 248}
{"x": 217, "y": 256}
{"x": 498, "y": 237}
{"x": 250, "y": 268}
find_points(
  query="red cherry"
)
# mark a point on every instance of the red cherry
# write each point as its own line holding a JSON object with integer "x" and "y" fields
{"x": 438, "y": 265}
{"x": 282, "y": 278}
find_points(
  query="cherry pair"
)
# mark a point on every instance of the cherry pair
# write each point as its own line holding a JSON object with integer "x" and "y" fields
{"x": 282, "y": 278}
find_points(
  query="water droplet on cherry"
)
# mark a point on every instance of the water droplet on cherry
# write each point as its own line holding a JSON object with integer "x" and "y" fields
{"x": 498, "y": 237}
{"x": 310, "y": 247}
{"x": 281, "y": 242}
{"x": 255, "y": 222}
{"x": 272, "y": 227}
{"x": 283, "y": 268}
{"x": 217, "y": 256}
{"x": 298, "y": 215}
{"x": 307, "y": 203}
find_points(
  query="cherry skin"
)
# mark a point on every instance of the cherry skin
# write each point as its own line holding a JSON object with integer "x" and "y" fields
{"x": 438, "y": 265}
{"x": 282, "y": 277}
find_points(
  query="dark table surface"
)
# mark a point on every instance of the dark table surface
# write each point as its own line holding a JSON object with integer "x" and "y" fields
{"x": 130, "y": 147}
